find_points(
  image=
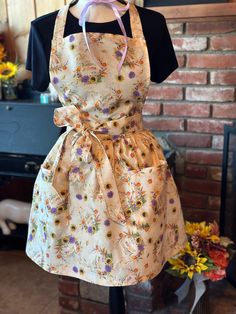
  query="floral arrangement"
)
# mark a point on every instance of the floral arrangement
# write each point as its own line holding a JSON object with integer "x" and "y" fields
{"x": 8, "y": 71}
{"x": 206, "y": 256}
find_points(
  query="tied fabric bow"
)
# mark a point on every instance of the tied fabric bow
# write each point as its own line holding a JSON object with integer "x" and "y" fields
{"x": 116, "y": 10}
{"x": 85, "y": 138}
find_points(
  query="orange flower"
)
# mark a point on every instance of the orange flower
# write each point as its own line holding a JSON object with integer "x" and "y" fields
{"x": 215, "y": 275}
{"x": 220, "y": 258}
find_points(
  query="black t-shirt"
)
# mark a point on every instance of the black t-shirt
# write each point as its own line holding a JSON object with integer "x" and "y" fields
{"x": 162, "y": 56}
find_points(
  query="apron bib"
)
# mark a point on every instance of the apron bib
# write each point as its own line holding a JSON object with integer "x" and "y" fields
{"x": 105, "y": 207}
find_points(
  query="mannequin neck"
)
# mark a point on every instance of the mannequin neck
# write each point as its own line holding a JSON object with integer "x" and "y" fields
{"x": 97, "y": 13}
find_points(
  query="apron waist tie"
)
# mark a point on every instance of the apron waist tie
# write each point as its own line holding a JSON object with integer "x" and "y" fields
{"x": 84, "y": 137}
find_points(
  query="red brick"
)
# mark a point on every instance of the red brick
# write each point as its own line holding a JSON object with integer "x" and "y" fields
{"x": 209, "y": 27}
{"x": 202, "y": 186}
{"x": 90, "y": 307}
{"x": 175, "y": 28}
{"x": 223, "y": 77}
{"x": 218, "y": 94}
{"x": 156, "y": 123}
{"x": 207, "y": 125}
{"x": 162, "y": 92}
{"x": 63, "y": 311}
{"x": 226, "y": 42}
{"x": 67, "y": 278}
{"x": 213, "y": 202}
{"x": 69, "y": 287}
{"x": 215, "y": 173}
{"x": 69, "y": 303}
{"x": 140, "y": 304}
{"x": 181, "y": 60}
{"x": 204, "y": 157}
{"x": 217, "y": 141}
{"x": 217, "y": 61}
{"x": 187, "y": 77}
{"x": 151, "y": 108}
{"x": 189, "y": 43}
{"x": 224, "y": 111}
{"x": 143, "y": 289}
{"x": 190, "y": 140}
{"x": 195, "y": 171}
{"x": 189, "y": 109}
{"x": 193, "y": 200}
{"x": 199, "y": 215}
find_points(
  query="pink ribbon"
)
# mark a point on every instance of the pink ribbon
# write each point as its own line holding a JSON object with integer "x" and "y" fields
{"x": 116, "y": 10}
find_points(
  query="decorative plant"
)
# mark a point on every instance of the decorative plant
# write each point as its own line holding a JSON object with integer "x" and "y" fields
{"x": 205, "y": 256}
{"x": 8, "y": 71}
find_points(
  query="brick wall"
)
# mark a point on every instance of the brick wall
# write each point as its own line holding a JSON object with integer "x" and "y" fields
{"x": 191, "y": 107}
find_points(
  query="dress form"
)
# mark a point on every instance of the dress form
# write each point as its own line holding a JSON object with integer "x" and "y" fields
{"x": 159, "y": 44}
{"x": 162, "y": 56}
{"x": 101, "y": 13}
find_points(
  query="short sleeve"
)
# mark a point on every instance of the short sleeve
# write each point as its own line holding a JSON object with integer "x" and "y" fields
{"x": 163, "y": 59}
{"x": 36, "y": 60}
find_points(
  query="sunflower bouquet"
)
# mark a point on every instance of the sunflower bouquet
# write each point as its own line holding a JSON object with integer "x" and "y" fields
{"x": 206, "y": 256}
{"x": 8, "y": 71}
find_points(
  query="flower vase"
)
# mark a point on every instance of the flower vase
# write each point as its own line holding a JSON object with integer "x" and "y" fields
{"x": 9, "y": 89}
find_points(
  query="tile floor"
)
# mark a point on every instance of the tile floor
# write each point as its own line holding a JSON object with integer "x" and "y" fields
{"x": 24, "y": 287}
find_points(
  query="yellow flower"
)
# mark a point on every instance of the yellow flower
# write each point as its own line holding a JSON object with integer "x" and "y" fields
{"x": 7, "y": 70}
{"x": 2, "y": 52}
{"x": 188, "y": 261}
{"x": 201, "y": 229}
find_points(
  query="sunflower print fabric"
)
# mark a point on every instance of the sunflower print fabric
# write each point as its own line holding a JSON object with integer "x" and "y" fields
{"x": 105, "y": 207}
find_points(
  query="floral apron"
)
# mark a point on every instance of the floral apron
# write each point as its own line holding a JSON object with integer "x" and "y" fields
{"x": 105, "y": 207}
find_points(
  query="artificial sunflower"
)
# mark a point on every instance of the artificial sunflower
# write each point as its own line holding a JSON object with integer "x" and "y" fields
{"x": 8, "y": 70}
{"x": 188, "y": 262}
{"x": 202, "y": 230}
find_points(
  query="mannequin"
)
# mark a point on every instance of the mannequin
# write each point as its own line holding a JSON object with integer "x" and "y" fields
{"x": 103, "y": 13}
{"x": 97, "y": 14}
{"x": 101, "y": 19}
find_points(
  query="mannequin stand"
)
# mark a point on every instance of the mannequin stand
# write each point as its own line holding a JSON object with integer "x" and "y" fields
{"x": 116, "y": 300}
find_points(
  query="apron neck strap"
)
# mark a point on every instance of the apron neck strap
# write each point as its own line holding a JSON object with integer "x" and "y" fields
{"x": 135, "y": 22}
{"x": 60, "y": 22}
